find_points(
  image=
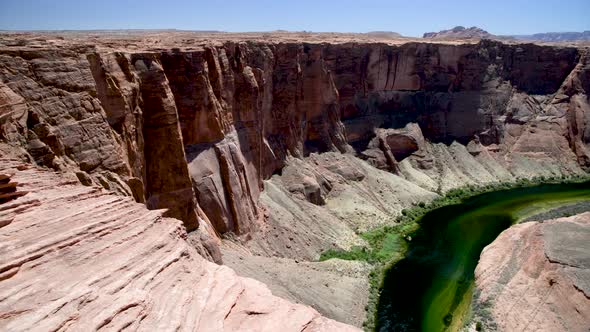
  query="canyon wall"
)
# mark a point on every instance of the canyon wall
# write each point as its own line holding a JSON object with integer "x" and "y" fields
{"x": 197, "y": 130}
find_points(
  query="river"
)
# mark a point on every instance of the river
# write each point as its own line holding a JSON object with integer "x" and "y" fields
{"x": 431, "y": 288}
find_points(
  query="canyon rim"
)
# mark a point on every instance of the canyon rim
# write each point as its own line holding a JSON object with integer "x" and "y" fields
{"x": 172, "y": 180}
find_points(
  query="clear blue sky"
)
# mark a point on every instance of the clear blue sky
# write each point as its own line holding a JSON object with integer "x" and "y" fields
{"x": 409, "y": 17}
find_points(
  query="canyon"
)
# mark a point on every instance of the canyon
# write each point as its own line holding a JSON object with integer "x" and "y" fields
{"x": 269, "y": 149}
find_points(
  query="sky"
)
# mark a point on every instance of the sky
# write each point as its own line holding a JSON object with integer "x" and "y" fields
{"x": 408, "y": 17}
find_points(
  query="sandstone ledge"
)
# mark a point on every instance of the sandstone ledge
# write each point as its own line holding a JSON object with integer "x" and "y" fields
{"x": 536, "y": 277}
{"x": 78, "y": 258}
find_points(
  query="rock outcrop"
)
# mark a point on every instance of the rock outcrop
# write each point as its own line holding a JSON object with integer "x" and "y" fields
{"x": 76, "y": 258}
{"x": 535, "y": 277}
{"x": 8, "y": 190}
{"x": 392, "y": 145}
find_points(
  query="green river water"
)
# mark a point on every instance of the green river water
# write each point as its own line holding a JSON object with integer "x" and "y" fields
{"x": 431, "y": 288}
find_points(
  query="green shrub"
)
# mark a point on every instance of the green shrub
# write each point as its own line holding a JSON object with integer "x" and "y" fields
{"x": 478, "y": 326}
{"x": 355, "y": 253}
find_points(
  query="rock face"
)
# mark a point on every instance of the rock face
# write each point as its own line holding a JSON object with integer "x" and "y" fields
{"x": 76, "y": 257}
{"x": 536, "y": 277}
{"x": 197, "y": 130}
{"x": 80, "y": 111}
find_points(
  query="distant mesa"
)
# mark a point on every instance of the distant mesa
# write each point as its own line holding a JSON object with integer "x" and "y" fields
{"x": 460, "y": 32}
{"x": 384, "y": 34}
{"x": 556, "y": 36}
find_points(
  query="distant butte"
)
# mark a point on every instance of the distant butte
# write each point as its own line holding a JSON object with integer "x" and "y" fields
{"x": 459, "y": 32}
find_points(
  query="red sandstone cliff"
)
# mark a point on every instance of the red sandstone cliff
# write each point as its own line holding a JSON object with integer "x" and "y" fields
{"x": 234, "y": 112}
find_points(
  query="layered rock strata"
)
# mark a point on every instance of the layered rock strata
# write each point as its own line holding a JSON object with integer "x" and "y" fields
{"x": 8, "y": 190}
{"x": 76, "y": 257}
{"x": 234, "y": 112}
{"x": 534, "y": 277}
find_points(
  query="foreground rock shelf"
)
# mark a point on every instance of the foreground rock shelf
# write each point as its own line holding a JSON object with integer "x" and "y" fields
{"x": 76, "y": 258}
{"x": 535, "y": 277}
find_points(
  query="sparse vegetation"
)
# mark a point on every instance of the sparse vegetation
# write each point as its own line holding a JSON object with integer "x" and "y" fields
{"x": 482, "y": 316}
{"x": 356, "y": 253}
{"x": 478, "y": 326}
